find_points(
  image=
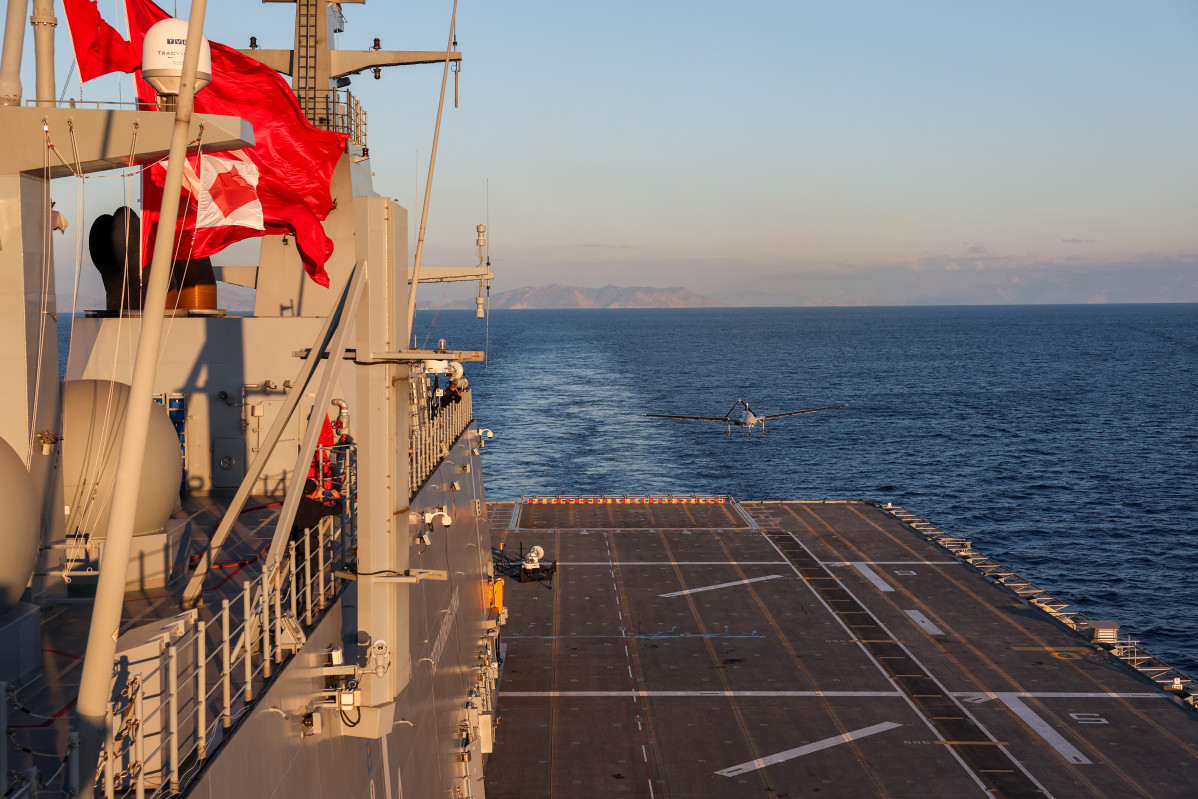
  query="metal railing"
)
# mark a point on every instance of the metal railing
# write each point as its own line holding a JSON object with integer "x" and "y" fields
{"x": 177, "y": 708}
{"x": 336, "y": 111}
{"x": 434, "y": 430}
{"x": 178, "y": 695}
{"x": 30, "y": 781}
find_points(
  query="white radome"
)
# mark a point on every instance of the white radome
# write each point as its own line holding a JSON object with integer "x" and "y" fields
{"x": 162, "y": 57}
{"x": 20, "y": 530}
{"x": 93, "y": 423}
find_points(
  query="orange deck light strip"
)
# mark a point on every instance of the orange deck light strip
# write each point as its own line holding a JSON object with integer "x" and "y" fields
{"x": 625, "y": 500}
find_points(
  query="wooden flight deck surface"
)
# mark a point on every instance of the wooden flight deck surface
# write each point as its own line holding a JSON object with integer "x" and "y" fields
{"x": 802, "y": 649}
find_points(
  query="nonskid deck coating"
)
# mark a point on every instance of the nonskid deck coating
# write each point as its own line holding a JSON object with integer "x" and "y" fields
{"x": 804, "y": 649}
{"x": 629, "y": 516}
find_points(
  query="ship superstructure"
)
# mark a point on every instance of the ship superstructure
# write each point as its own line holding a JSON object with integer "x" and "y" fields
{"x": 355, "y": 659}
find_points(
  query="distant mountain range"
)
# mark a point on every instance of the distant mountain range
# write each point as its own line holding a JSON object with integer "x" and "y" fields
{"x": 557, "y": 296}
{"x": 239, "y": 300}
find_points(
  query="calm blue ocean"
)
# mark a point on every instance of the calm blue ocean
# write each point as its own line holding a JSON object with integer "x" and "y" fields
{"x": 1062, "y": 441}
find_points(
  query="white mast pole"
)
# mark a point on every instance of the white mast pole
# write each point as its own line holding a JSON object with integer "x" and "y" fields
{"x": 10, "y": 60}
{"x": 95, "y": 681}
{"x": 44, "y": 23}
{"x": 428, "y": 185}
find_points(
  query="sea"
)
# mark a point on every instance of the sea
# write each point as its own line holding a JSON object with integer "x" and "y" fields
{"x": 1061, "y": 440}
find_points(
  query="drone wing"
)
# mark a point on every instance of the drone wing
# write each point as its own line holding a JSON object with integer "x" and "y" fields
{"x": 809, "y": 410}
{"x": 695, "y": 418}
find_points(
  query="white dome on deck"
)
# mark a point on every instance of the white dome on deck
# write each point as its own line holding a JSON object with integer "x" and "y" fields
{"x": 21, "y": 528}
{"x": 93, "y": 423}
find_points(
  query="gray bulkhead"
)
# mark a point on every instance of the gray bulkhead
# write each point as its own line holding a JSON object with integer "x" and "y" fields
{"x": 426, "y": 750}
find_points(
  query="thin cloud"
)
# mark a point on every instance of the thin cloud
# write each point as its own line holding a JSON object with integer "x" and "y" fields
{"x": 1078, "y": 241}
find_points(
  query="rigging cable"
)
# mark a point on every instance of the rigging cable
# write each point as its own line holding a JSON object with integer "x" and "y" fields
{"x": 79, "y": 216}
{"x": 410, "y": 316}
{"x": 83, "y": 508}
{"x": 66, "y": 82}
{"x": 41, "y": 322}
{"x": 68, "y": 561}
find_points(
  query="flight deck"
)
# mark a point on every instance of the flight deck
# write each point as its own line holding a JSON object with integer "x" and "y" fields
{"x": 701, "y": 647}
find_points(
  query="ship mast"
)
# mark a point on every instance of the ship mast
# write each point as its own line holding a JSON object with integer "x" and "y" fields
{"x": 96, "y": 676}
{"x": 313, "y": 65}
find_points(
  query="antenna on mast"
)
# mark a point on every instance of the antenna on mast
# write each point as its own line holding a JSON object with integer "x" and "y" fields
{"x": 457, "y": 70}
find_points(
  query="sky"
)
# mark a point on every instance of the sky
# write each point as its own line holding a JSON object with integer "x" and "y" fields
{"x": 779, "y": 153}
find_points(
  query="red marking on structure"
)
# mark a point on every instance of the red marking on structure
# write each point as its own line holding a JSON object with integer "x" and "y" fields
{"x": 48, "y": 721}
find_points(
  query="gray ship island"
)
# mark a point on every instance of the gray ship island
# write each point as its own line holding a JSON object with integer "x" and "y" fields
{"x": 253, "y": 557}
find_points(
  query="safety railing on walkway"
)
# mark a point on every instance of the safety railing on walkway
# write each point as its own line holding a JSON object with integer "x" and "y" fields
{"x": 30, "y": 782}
{"x": 178, "y": 703}
{"x": 335, "y": 110}
{"x": 434, "y": 430}
{"x": 181, "y": 690}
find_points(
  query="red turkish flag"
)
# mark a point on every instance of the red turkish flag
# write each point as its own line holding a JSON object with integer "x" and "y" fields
{"x": 98, "y": 48}
{"x": 295, "y": 160}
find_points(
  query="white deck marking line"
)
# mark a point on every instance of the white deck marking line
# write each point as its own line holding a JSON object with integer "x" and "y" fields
{"x": 675, "y": 563}
{"x": 1094, "y": 695}
{"x": 631, "y": 693}
{"x": 724, "y": 585}
{"x": 910, "y": 702}
{"x": 1043, "y": 729}
{"x": 807, "y": 749}
{"x": 975, "y": 696}
{"x": 748, "y": 517}
{"x": 688, "y": 694}
{"x": 891, "y": 562}
{"x": 924, "y": 622}
{"x": 872, "y": 576}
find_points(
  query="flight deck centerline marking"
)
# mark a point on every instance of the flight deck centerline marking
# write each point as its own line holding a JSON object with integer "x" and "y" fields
{"x": 982, "y": 696}
{"x": 1042, "y": 728}
{"x": 790, "y": 754}
{"x": 924, "y": 622}
{"x": 621, "y": 598}
{"x": 724, "y": 585}
{"x": 872, "y": 576}
{"x": 561, "y": 563}
{"x": 1006, "y": 618}
{"x": 1022, "y": 768}
{"x": 890, "y": 562}
{"x": 690, "y": 694}
{"x": 796, "y": 545}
